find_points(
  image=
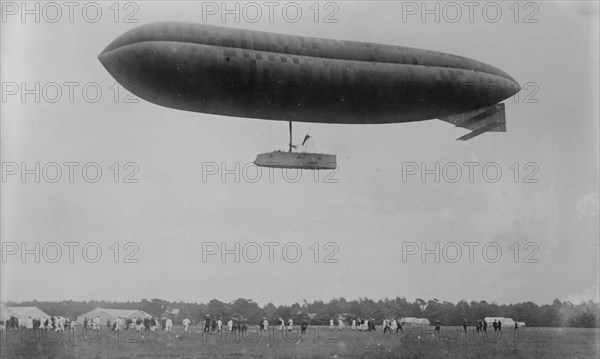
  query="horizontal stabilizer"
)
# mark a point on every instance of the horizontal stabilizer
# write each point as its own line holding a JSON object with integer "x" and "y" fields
{"x": 489, "y": 119}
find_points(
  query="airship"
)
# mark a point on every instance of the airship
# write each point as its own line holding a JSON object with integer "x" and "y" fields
{"x": 261, "y": 75}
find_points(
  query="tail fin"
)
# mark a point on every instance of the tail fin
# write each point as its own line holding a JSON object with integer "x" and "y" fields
{"x": 489, "y": 119}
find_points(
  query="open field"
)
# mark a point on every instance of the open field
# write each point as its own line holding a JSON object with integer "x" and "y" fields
{"x": 319, "y": 342}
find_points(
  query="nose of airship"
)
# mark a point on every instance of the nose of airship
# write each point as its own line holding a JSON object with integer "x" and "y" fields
{"x": 513, "y": 87}
{"x": 108, "y": 59}
{"x": 102, "y": 57}
{"x": 112, "y": 66}
{"x": 502, "y": 87}
{"x": 498, "y": 85}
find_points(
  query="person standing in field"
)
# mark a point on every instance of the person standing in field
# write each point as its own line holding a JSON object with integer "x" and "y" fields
{"x": 499, "y": 325}
{"x": 281, "y": 324}
{"x": 290, "y": 325}
{"x": 465, "y": 324}
{"x": 393, "y": 325}
{"x": 230, "y": 325}
{"x": 303, "y": 326}
{"x": 340, "y": 324}
{"x": 353, "y": 324}
{"x": 495, "y": 325}
{"x": 186, "y": 323}
{"x": 168, "y": 324}
{"x": 387, "y": 326}
{"x": 484, "y": 325}
{"x": 265, "y": 324}
{"x": 331, "y": 324}
{"x": 438, "y": 324}
{"x": 206, "y": 324}
{"x": 244, "y": 325}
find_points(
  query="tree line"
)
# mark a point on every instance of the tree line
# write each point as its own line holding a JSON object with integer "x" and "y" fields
{"x": 557, "y": 314}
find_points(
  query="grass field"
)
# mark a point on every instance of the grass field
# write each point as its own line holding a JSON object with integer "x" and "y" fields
{"x": 318, "y": 342}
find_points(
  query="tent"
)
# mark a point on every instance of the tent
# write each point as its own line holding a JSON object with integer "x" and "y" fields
{"x": 506, "y": 322}
{"x": 113, "y": 314}
{"x": 24, "y": 315}
{"x": 25, "y": 312}
{"x": 5, "y": 313}
{"x": 414, "y": 321}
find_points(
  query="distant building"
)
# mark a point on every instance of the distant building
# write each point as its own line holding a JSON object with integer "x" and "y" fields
{"x": 414, "y": 321}
{"x": 113, "y": 314}
{"x": 172, "y": 310}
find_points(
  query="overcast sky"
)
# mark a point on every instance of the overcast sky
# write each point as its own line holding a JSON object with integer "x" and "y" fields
{"x": 370, "y": 213}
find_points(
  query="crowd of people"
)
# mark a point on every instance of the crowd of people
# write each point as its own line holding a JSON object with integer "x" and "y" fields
{"x": 240, "y": 324}
{"x": 210, "y": 325}
{"x": 54, "y": 323}
{"x": 148, "y": 324}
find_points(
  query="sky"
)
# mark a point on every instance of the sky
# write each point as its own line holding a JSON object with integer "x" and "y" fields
{"x": 156, "y": 228}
